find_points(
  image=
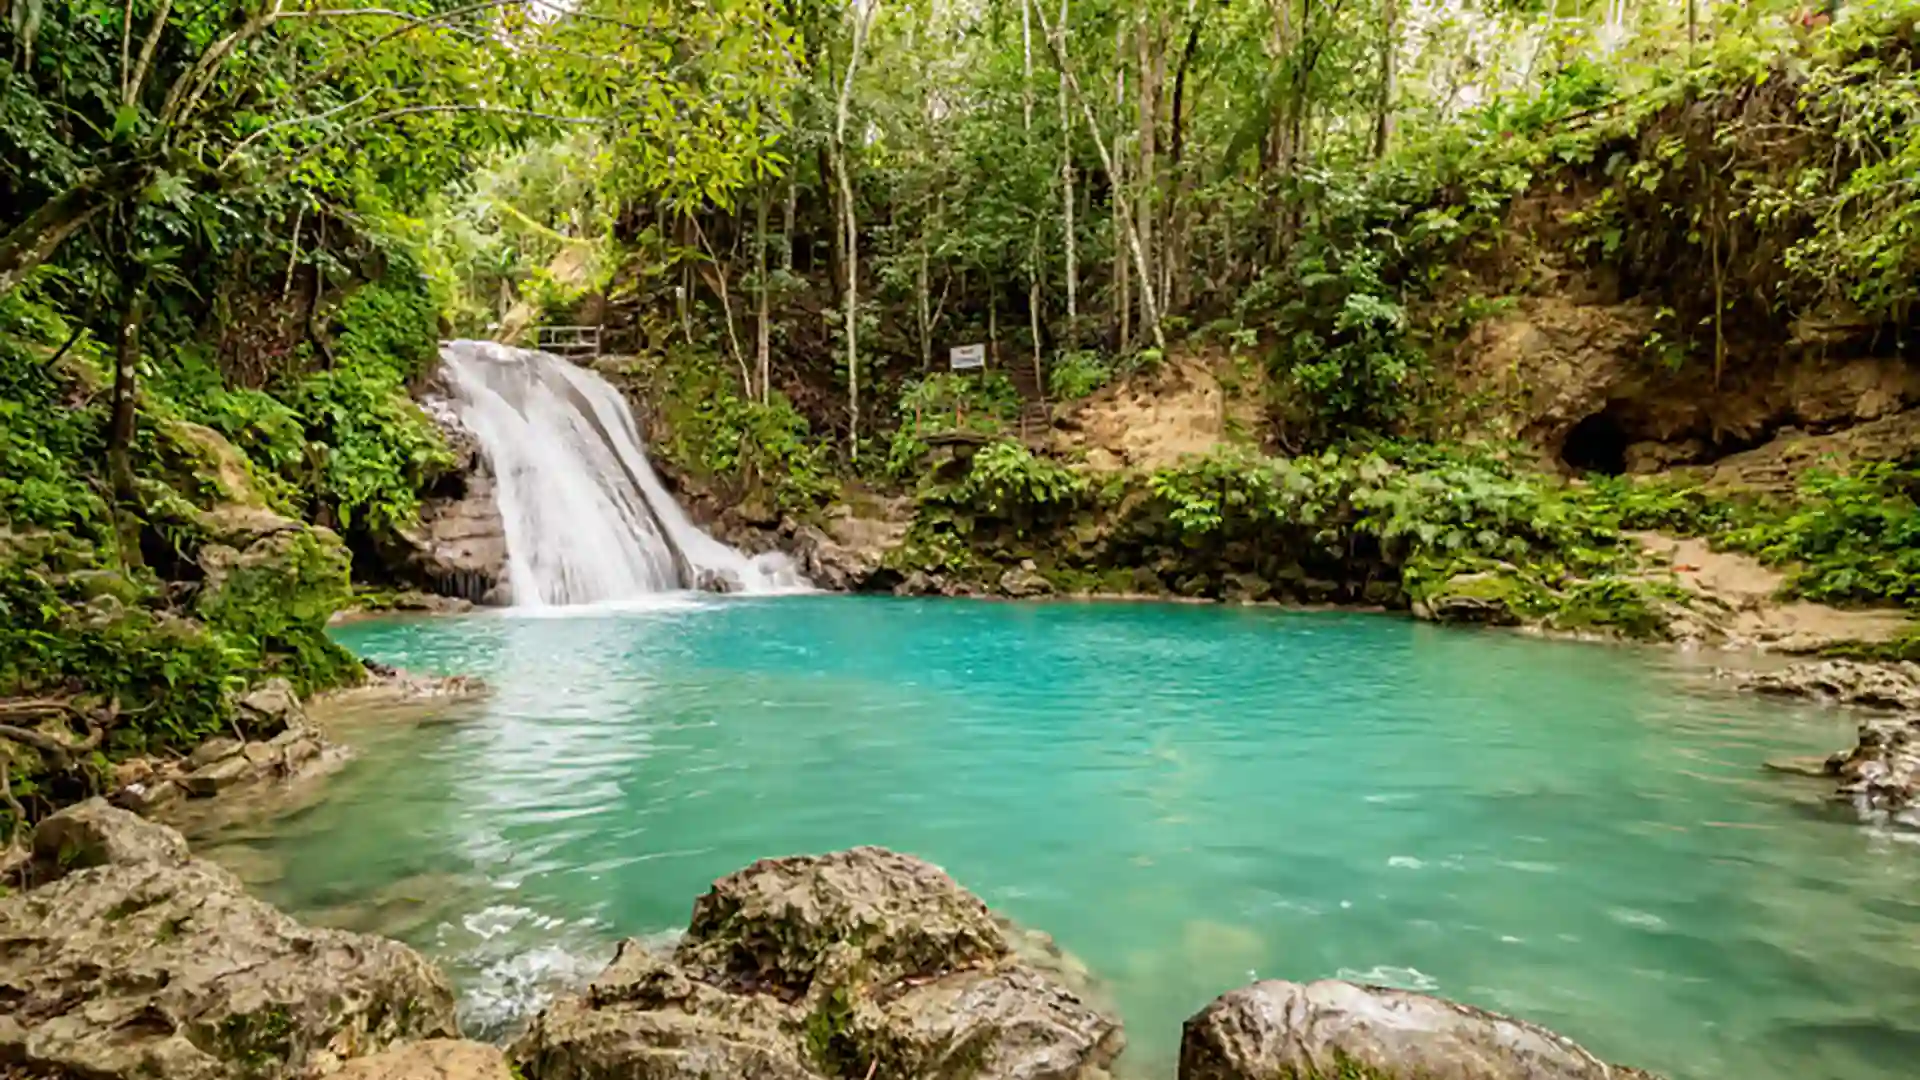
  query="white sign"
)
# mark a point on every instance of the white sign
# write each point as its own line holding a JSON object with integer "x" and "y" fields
{"x": 962, "y": 357}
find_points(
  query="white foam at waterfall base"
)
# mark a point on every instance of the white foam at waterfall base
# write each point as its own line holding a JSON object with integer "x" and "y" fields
{"x": 587, "y": 520}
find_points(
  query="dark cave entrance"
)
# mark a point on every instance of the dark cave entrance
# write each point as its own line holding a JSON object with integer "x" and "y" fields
{"x": 1597, "y": 444}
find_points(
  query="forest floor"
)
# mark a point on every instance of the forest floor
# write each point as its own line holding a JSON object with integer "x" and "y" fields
{"x": 1192, "y": 404}
{"x": 1747, "y": 599}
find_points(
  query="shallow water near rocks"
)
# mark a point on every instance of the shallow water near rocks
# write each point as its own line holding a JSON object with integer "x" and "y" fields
{"x": 1187, "y": 798}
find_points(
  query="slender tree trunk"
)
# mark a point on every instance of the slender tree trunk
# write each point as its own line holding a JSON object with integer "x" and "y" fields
{"x": 1122, "y": 269}
{"x": 126, "y": 375}
{"x": 1179, "y": 218}
{"x": 786, "y": 222}
{"x": 120, "y": 430}
{"x": 1144, "y": 200}
{"x": 1066, "y": 203}
{"x": 829, "y": 158}
{"x": 1152, "y": 310}
{"x": 720, "y": 275}
{"x": 863, "y": 19}
{"x": 1383, "y": 109}
{"x": 923, "y": 288}
{"x": 763, "y": 345}
{"x": 1033, "y": 248}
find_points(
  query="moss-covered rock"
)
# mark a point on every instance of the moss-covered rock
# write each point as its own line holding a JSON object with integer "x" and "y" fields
{"x": 273, "y": 583}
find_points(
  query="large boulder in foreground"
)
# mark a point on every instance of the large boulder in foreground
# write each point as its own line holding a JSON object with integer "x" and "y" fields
{"x": 130, "y": 959}
{"x": 861, "y": 963}
{"x": 435, "y": 1059}
{"x": 1332, "y": 1030}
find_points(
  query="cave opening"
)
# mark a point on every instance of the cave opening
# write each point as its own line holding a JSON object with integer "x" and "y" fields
{"x": 1597, "y": 444}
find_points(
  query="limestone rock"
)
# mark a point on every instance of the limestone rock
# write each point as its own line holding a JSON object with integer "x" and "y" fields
{"x": 1024, "y": 581}
{"x": 1281, "y": 1029}
{"x": 1010, "y": 1023}
{"x": 1880, "y": 776}
{"x": 271, "y": 707}
{"x": 1487, "y": 598}
{"x": 93, "y": 833}
{"x": 788, "y": 923}
{"x": 840, "y": 566}
{"x": 434, "y": 1059}
{"x": 458, "y": 544}
{"x": 148, "y": 963}
{"x": 861, "y": 962}
{"x": 717, "y": 580}
{"x": 1560, "y": 364}
{"x": 1844, "y": 682}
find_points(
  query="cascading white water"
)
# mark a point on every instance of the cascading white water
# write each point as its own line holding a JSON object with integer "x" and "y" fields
{"x": 587, "y": 520}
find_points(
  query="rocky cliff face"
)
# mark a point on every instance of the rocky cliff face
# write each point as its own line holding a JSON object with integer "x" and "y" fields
{"x": 459, "y": 545}
{"x": 1576, "y": 378}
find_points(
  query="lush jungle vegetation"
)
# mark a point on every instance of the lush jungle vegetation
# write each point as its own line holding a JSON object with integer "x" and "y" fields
{"x": 231, "y": 232}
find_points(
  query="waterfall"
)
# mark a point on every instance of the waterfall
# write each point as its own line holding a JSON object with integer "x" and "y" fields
{"x": 586, "y": 518}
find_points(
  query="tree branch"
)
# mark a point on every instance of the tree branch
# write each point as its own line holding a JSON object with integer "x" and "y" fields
{"x": 190, "y": 85}
{"x": 293, "y": 122}
{"x": 132, "y": 92}
{"x": 417, "y": 110}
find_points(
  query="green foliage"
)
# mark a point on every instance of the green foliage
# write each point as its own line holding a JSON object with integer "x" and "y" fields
{"x": 1006, "y": 480}
{"x": 70, "y": 626}
{"x": 1074, "y": 375}
{"x": 1850, "y": 537}
{"x": 44, "y": 440}
{"x": 986, "y": 402}
{"x": 754, "y": 447}
{"x": 273, "y": 600}
{"x": 375, "y": 447}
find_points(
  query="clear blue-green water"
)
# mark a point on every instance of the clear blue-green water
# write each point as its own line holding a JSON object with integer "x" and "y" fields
{"x": 1188, "y": 798}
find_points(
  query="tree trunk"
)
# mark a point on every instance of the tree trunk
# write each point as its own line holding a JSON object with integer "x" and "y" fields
{"x": 829, "y": 156}
{"x": 1179, "y": 220}
{"x": 32, "y": 242}
{"x": 1122, "y": 269}
{"x": 1144, "y": 201}
{"x": 923, "y": 302}
{"x": 786, "y": 222}
{"x": 763, "y": 342}
{"x": 1066, "y": 203}
{"x": 1033, "y": 247}
{"x": 1383, "y": 109}
{"x": 126, "y": 389}
{"x": 1151, "y": 310}
{"x": 863, "y": 18}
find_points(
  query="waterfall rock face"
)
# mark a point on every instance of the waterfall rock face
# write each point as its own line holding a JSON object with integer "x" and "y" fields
{"x": 585, "y": 518}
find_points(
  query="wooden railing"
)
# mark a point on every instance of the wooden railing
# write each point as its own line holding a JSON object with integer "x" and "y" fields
{"x": 569, "y": 341}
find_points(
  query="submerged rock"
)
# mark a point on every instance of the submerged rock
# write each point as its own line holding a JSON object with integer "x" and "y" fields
{"x": 1279, "y": 1030}
{"x": 854, "y": 964}
{"x": 131, "y": 959}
